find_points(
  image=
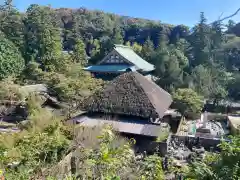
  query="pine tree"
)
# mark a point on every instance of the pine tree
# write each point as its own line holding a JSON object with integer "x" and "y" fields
{"x": 231, "y": 24}
{"x": 44, "y": 37}
{"x": 117, "y": 36}
{"x": 79, "y": 53}
{"x": 200, "y": 42}
{"x": 217, "y": 35}
{"x": 11, "y": 25}
{"x": 96, "y": 47}
{"x": 217, "y": 39}
{"x": 72, "y": 33}
{"x": 162, "y": 40}
{"x": 147, "y": 49}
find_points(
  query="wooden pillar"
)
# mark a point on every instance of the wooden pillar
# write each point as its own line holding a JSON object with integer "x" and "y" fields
{"x": 73, "y": 165}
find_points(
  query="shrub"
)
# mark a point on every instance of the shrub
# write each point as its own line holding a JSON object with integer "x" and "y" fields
{"x": 188, "y": 102}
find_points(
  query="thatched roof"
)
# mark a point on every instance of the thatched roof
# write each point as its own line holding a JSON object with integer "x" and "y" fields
{"x": 130, "y": 94}
{"x": 37, "y": 88}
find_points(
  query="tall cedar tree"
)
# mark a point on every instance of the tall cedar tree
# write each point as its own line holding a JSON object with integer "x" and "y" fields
{"x": 117, "y": 36}
{"x": 12, "y": 25}
{"x": 79, "y": 53}
{"x": 43, "y": 37}
{"x": 147, "y": 49}
{"x": 200, "y": 42}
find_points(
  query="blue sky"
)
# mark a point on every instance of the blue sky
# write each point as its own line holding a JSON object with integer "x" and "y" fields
{"x": 168, "y": 11}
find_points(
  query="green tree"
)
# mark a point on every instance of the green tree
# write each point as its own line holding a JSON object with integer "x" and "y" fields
{"x": 179, "y": 52}
{"x": 202, "y": 80}
{"x": 32, "y": 74}
{"x": 200, "y": 43}
{"x": 43, "y": 37}
{"x": 230, "y": 25}
{"x": 210, "y": 82}
{"x": 137, "y": 48}
{"x": 188, "y": 102}
{"x": 71, "y": 32}
{"x": 117, "y": 36}
{"x": 152, "y": 168}
{"x": 128, "y": 43}
{"x": 107, "y": 161}
{"x": 220, "y": 79}
{"x": 172, "y": 75}
{"x": 12, "y": 25}
{"x": 229, "y": 53}
{"x": 106, "y": 45}
{"x": 147, "y": 49}
{"x": 12, "y": 63}
{"x": 6, "y": 7}
{"x": 217, "y": 35}
{"x": 162, "y": 40}
{"x": 10, "y": 91}
{"x": 95, "y": 47}
{"x": 234, "y": 87}
{"x": 222, "y": 166}
{"x": 170, "y": 63}
{"x": 79, "y": 53}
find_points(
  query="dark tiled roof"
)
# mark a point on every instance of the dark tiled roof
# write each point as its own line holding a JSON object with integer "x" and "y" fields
{"x": 130, "y": 94}
{"x": 123, "y": 126}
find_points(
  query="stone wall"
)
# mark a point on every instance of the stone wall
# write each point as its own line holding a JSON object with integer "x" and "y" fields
{"x": 163, "y": 146}
{"x": 207, "y": 143}
{"x": 150, "y": 145}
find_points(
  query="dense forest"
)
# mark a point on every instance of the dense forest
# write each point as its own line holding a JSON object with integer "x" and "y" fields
{"x": 205, "y": 58}
{"x": 50, "y": 46}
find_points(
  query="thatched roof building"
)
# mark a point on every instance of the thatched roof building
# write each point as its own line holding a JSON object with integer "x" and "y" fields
{"x": 130, "y": 94}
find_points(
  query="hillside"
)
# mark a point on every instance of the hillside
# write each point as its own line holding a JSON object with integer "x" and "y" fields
{"x": 100, "y": 25}
{"x": 179, "y": 54}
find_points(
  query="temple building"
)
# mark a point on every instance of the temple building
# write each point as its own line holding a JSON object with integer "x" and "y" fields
{"x": 120, "y": 60}
{"x": 134, "y": 105}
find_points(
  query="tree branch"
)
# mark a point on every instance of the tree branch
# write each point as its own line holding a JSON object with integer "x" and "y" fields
{"x": 227, "y": 17}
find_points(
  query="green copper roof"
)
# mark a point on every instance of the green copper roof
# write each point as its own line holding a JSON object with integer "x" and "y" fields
{"x": 108, "y": 68}
{"x": 131, "y": 56}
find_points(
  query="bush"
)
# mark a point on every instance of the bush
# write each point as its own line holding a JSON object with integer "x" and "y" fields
{"x": 12, "y": 63}
{"x": 188, "y": 102}
{"x": 11, "y": 92}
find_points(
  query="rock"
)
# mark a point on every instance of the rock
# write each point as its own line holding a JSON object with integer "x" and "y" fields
{"x": 176, "y": 163}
